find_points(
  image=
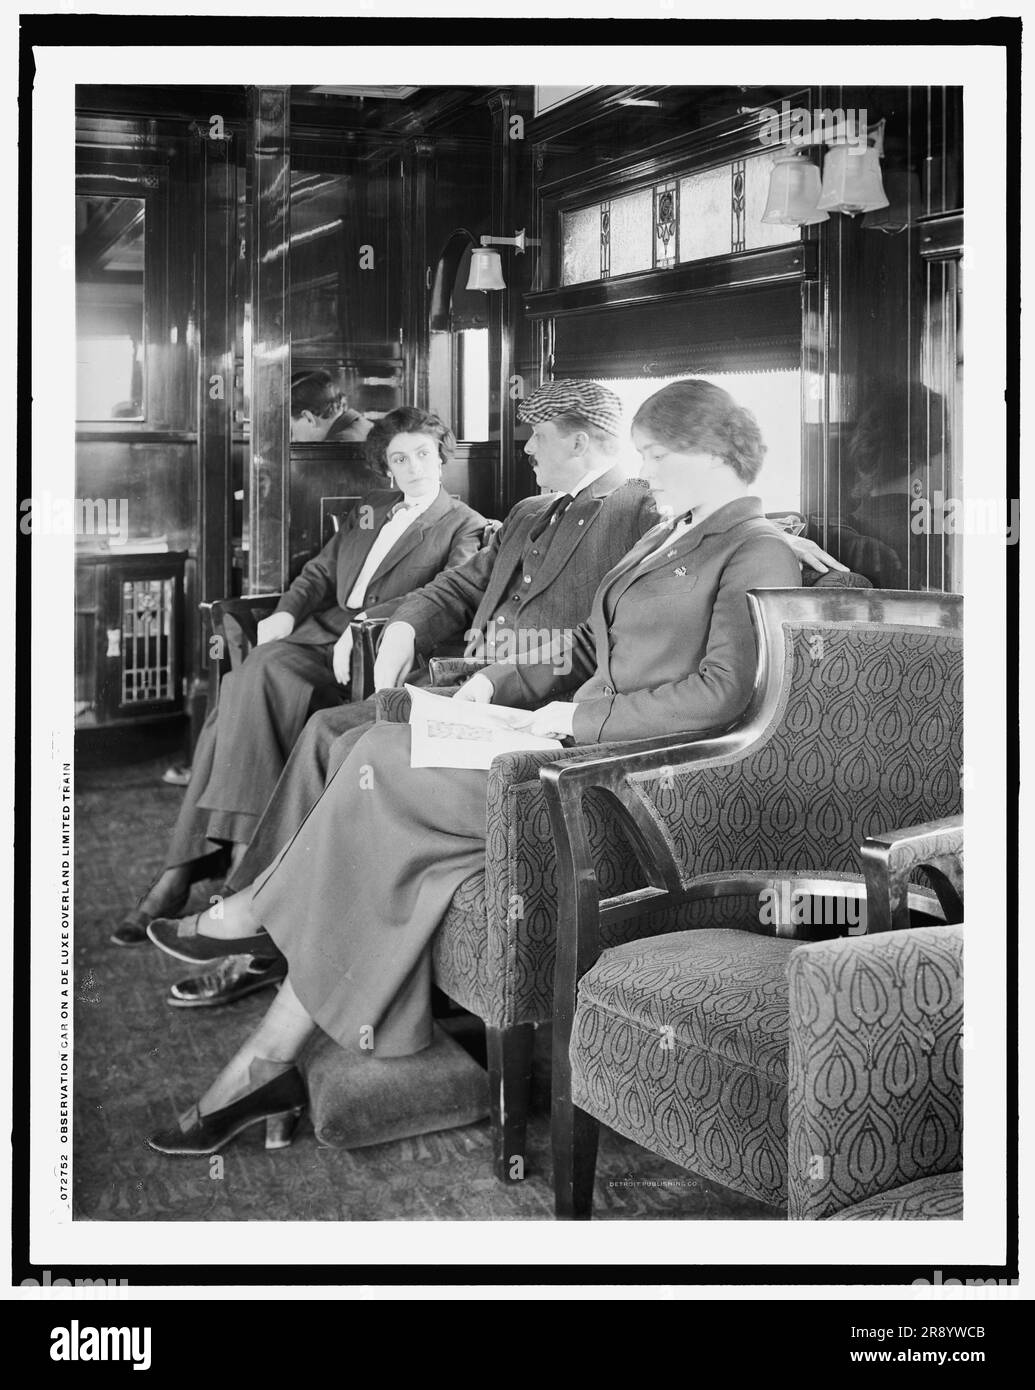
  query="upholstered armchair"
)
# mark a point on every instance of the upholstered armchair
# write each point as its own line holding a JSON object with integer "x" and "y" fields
{"x": 767, "y": 817}
{"x": 854, "y": 726}
{"x": 823, "y": 1078}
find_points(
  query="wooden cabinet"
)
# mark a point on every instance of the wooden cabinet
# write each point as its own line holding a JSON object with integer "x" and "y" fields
{"x": 129, "y": 630}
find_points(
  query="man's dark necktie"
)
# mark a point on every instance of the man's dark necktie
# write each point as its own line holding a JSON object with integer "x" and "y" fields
{"x": 552, "y": 515}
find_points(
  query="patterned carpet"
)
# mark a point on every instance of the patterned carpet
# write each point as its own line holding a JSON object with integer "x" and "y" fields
{"x": 139, "y": 1062}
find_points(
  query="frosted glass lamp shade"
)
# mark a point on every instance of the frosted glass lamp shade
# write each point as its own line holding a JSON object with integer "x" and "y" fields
{"x": 851, "y": 180}
{"x": 486, "y": 271}
{"x": 794, "y": 187}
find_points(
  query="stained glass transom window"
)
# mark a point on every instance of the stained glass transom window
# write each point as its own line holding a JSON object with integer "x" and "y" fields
{"x": 709, "y": 213}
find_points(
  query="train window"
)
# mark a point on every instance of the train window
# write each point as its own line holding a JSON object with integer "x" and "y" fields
{"x": 110, "y": 308}
{"x": 711, "y": 212}
{"x": 458, "y": 352}
{"x": 773, "y": 397}
{"x": 472, "y": 384}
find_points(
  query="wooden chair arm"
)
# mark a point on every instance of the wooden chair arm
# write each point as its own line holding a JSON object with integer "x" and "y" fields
{"x": 891, "y": 859}
{"x": 366, "y": 634}
{"x": 246, "y": 613}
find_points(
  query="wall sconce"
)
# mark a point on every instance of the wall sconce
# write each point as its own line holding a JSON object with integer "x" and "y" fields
{"x": 851, "y": 181}
{"x": 851, "y": 175}
{"x": 486, "y": 267}
{"x": 794, "y": 188}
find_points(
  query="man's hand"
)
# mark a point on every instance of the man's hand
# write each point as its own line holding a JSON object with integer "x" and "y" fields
{"x": 478, "y": 688}
{"x": 395, "y": 656}
{"x": 809, "y": 553}
{"x": 276, "y": 625}
{"x": 341, "y": 658}
{"x": 554, "y": 720}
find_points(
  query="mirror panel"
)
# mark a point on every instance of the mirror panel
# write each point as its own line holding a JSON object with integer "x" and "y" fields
{"x": 111, "y": 365}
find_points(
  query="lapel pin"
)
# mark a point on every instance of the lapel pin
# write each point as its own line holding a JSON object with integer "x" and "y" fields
{"x": 582, "y": 522}
{"x": 681, "y": 571}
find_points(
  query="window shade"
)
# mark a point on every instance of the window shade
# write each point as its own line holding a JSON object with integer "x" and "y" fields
{"x": 745, "y": 330}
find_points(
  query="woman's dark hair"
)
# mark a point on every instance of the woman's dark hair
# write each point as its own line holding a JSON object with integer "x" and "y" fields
{"x": 694, "y": 416}
{"x": 317, "y": 391}
{"x": 408, "y": 419}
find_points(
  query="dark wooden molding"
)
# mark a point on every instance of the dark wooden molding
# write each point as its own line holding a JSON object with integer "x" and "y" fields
{"x": 216, "y": 202}
{"x": 940, "y": 236}
{"x": 131, "y": 433}
{"x": 718, "y": 143}
{"x": 271, "y": 340}
{"x": 766, "y": 266}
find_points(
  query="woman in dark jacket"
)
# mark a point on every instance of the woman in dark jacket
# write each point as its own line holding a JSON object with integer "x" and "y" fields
{"x": 393, "y": 542}
{"x": 668, "y": 649}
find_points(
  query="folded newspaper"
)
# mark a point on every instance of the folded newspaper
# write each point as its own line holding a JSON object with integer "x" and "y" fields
{"x": 460, "y": 733}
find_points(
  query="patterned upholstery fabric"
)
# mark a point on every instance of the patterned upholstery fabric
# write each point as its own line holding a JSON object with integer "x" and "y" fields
{"x": 825, "y": 1076}
{"x": 938, "y": 1198}
{"x": 393, "y": 706}
{"x": 876, "y": 1087}
{"x": 868, "y": 736}
{"x": 681, "y": 1045}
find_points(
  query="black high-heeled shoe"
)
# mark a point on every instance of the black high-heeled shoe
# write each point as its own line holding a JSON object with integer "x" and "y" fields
{"x": 132, "y": 929}
{"x": 179, "y": 937}
{"x": 280, "y": 1102}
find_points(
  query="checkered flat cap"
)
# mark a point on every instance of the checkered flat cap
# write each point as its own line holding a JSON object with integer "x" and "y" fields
{"x": 596, "y": 404}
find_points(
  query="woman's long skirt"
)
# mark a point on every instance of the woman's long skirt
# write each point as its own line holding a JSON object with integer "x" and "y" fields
{"x": 356, "y": 896}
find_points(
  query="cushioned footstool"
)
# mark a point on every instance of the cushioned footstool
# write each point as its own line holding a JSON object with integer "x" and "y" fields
{"x": 357, "y": 1099}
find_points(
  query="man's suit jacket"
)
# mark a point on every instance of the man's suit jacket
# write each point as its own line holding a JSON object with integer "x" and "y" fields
{"x": 669, "y": 646}
{"x": 598, "y": 528}
{"x": 448, "y": 533}
{"x": 350, "y": 427}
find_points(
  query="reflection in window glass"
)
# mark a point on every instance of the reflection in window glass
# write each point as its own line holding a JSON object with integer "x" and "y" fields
{"x": 109, "y": 273}
{"x": 774, "y": 398}
{"x": 473, "y": 405}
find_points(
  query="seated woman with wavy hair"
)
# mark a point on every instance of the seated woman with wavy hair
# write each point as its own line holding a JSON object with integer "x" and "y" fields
{"x": 398, "y": 539}
{"x": 356, "y": 896}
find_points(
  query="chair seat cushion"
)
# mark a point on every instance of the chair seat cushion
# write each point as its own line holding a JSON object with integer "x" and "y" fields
{"x": 357, "y": 1099}
{"x": 935, "y": 1198}
{"x": 680, "y": 1044}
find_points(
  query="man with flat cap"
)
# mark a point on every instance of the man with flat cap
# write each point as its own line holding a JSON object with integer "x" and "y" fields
{"x": 540, "y": 572}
